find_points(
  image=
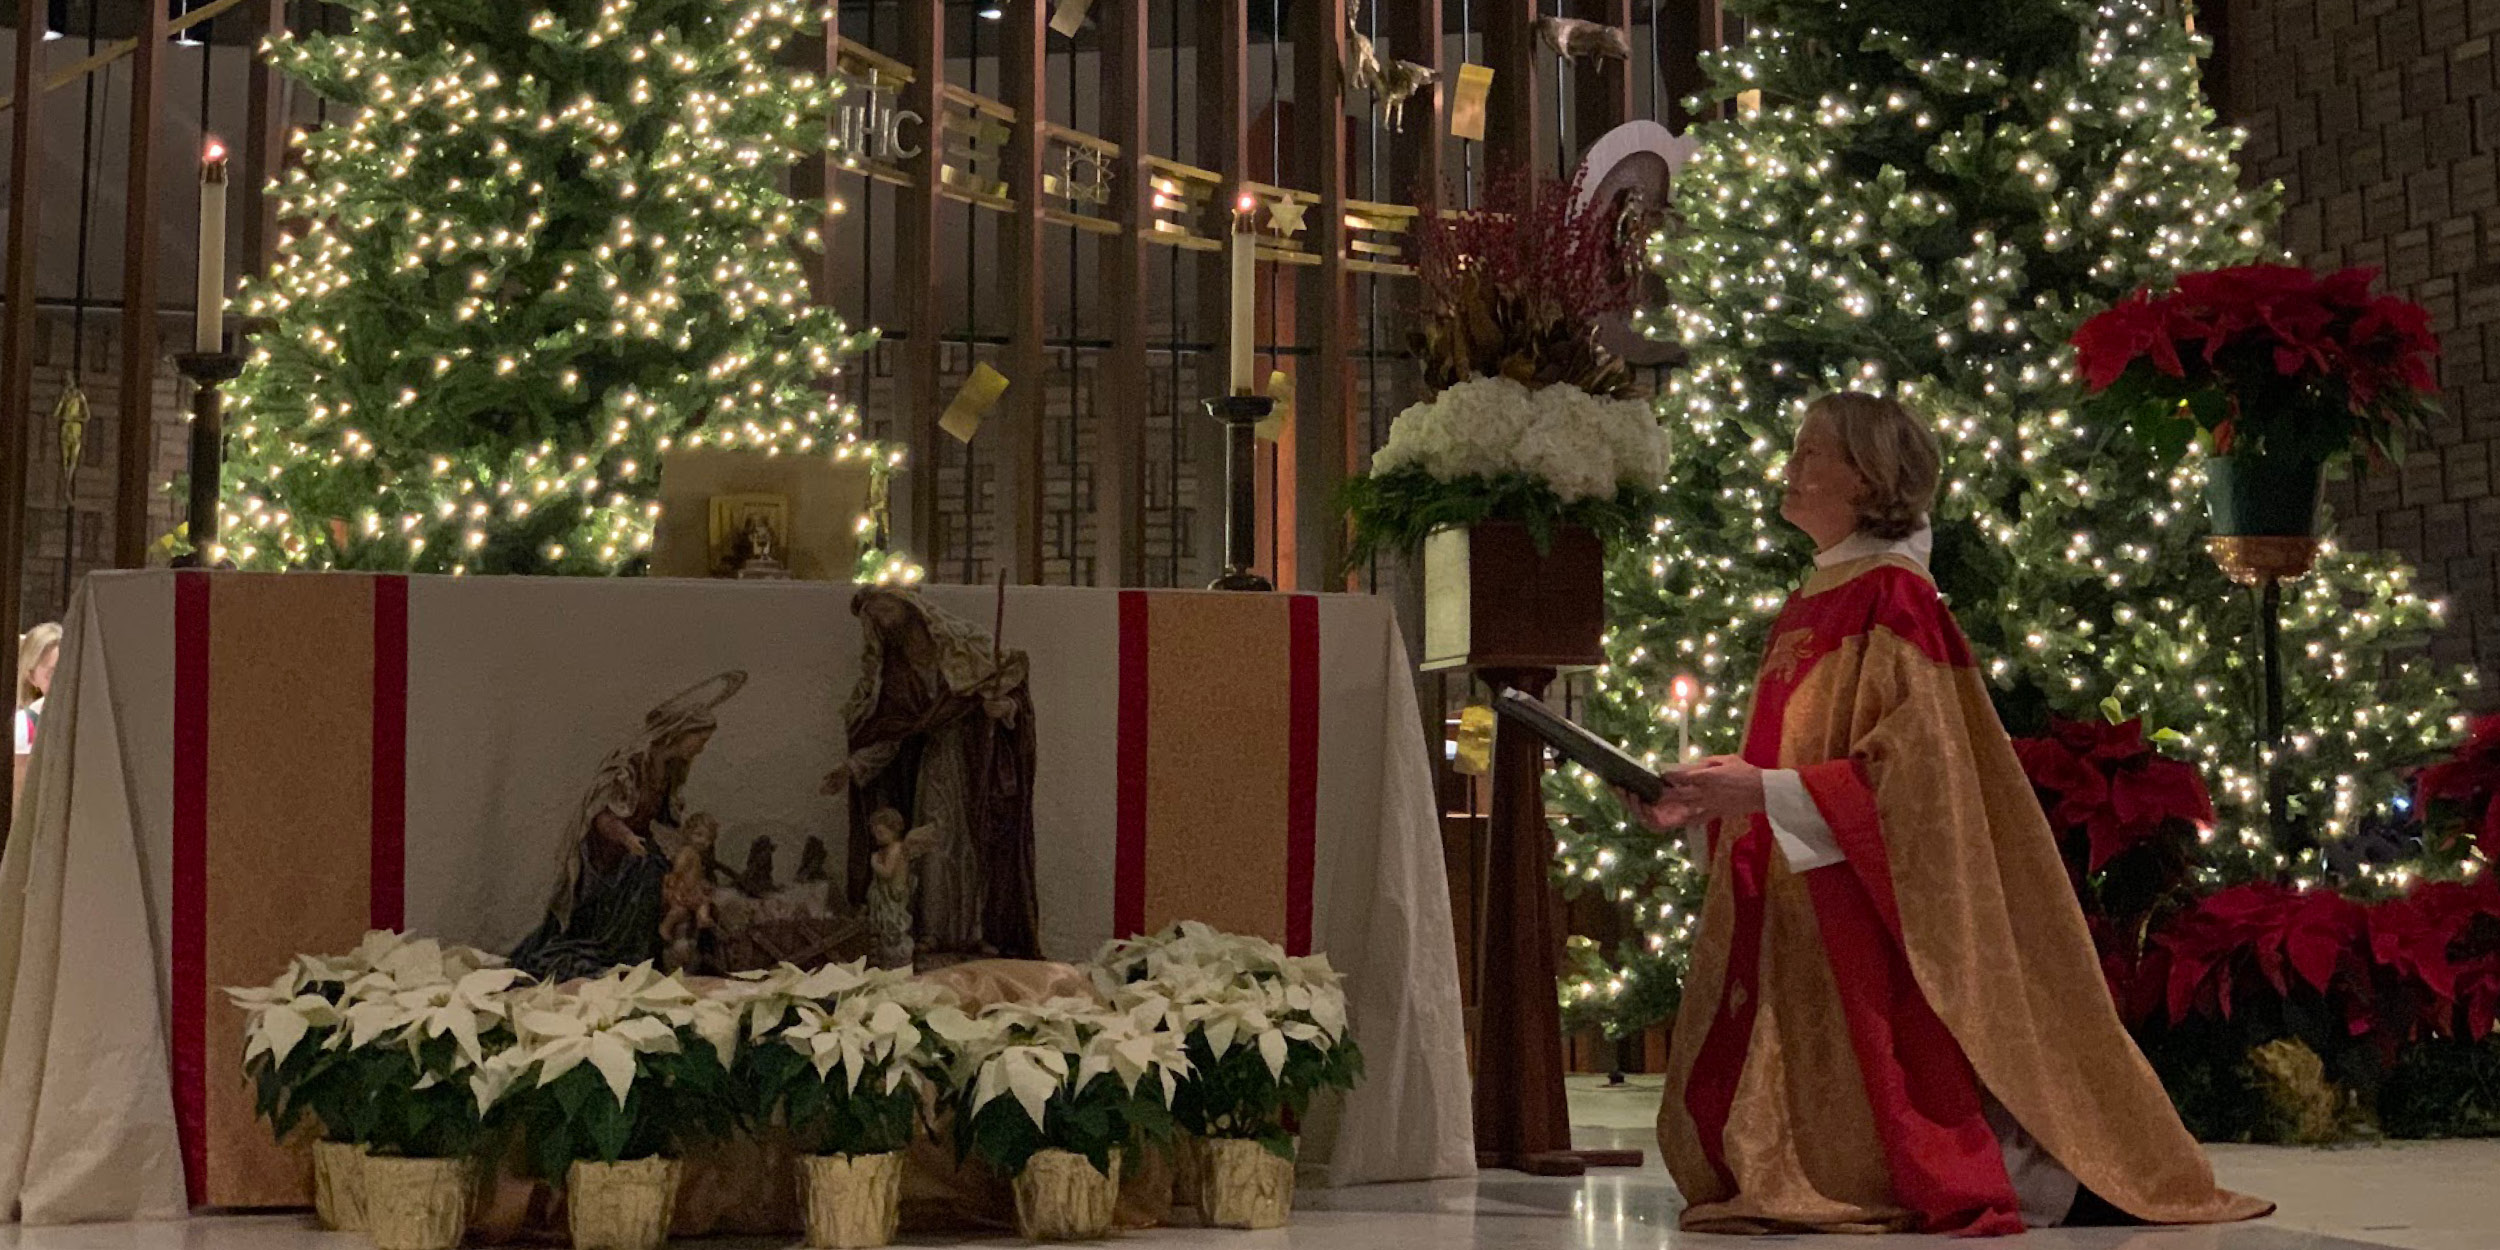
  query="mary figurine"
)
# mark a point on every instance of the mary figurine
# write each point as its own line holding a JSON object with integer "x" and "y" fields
{"x": 609, "y": 899}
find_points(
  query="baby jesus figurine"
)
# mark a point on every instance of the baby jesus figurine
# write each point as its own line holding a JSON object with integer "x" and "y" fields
{"x": 889, "y": 894}
{"x": 687, "y": 893}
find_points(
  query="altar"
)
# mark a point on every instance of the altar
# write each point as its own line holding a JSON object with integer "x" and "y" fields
{"x": 237, "y": 768}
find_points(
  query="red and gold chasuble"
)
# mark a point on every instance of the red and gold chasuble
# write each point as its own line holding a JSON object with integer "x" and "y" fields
{"x": 1839, "y": 1026}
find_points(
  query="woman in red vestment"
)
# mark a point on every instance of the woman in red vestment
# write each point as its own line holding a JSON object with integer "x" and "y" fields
{"x": 1894, "y": 1018}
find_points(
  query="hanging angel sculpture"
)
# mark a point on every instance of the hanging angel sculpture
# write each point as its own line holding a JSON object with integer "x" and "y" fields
{"x": 1390, "y": 83}
{"x": 1571, "y": 38}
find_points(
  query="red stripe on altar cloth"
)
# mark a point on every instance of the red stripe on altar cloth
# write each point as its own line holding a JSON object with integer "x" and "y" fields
{"x": 1128, "y": 897}
{"x": 389, "y": 888}
{"x": 189, "y": 980}
{"x": 1302, "y": 772}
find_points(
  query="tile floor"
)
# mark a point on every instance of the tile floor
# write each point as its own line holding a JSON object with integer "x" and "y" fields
{"x": 2415, "y": 1196}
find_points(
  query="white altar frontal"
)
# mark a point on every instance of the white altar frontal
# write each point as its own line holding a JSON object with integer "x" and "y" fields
{"x": 236, "y": 768}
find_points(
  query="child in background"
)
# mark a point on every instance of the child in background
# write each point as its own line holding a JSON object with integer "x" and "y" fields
{"x": 37, "y": 652}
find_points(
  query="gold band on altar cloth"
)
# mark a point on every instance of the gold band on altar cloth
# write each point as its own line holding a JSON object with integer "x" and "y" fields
{"x": 1216, "y": 800}
{"x": 287, "y": 804}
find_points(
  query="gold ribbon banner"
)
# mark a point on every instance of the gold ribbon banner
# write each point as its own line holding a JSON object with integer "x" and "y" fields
{"x": 1475, "y": 84}
{"x": 1280, "y": 415}
{"x": 1475, "y": 740}
{"x": 1070, "y": 17}
{"x": 973, "y": 401}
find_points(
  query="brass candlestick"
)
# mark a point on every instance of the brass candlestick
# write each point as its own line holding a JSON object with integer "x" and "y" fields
{"x": 208, "y": 372}
{"x": 1241, "y": 415}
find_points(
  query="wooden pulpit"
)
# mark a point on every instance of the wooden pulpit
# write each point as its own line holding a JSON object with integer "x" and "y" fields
{"x": 1518, "y": 618}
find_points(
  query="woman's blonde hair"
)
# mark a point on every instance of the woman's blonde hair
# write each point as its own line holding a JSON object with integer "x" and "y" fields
{"x": 1894, "y": 451}
{"x": 30, "y": 649}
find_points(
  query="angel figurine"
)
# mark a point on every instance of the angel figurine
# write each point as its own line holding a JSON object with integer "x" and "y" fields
{"x": 889, "y": 894}
{"x": 687, "y": 892}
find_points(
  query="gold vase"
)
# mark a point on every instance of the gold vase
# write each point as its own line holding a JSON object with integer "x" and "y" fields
{"x": 339, "y": 1186}
{"x": 621, "y": 1206}
{"x": 2255, "y": 559}
{"x": 1246, "y": 1185}
{"x": 416, "y": 1204}
{"x": 1060, "y": 1197}
{"x": 852, "y": 1201}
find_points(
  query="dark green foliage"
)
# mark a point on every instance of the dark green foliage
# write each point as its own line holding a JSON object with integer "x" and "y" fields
{"x": 1236, "y": 1096}
{"x": 1394, "y": 513}
{"x": 1095, "y": 1121}
{"x": 825, "y": 1115}
{"x": 676, "y": 1101}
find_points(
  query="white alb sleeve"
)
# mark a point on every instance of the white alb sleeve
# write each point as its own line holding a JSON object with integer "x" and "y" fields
{"x": 1804, "y": 837}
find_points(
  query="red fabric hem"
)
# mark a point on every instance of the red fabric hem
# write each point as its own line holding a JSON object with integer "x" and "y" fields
{"x": 387, "y": 905}
{"x": 1945, "y": 1163}
{"x": 1128, "y": 896}
{"x": 1302, "y": 764}
{"x": 189, "y": 939}
{"x": 1719, "y": 1063}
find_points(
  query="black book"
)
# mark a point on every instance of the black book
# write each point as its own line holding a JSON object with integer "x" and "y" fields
{"x": 1615, "y": 766}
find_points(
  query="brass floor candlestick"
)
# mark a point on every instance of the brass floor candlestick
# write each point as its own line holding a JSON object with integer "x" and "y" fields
{"x": 1241, "y": 415}
{"x": 2263, "y": 563}
{"x": 208, "y": 372}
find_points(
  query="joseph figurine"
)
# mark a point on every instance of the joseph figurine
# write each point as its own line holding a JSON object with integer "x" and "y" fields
{"x": 1894, "y": 1018}
{"x": 941, "y": 732}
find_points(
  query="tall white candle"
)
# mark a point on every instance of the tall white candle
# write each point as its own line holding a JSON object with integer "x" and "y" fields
{"x": 209, "y": 334}
{"x": 1683, "y": 696}
{"x": 1245, "y": 295}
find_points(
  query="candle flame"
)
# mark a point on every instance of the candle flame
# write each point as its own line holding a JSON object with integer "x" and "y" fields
{"x": 1248, "y": 203}
{"x": 1682, "y": 690}
{"x": 214, "y": 152}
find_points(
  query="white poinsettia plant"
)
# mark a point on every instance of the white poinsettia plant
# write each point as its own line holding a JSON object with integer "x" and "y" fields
{"x": 841, "y": 1056}
{"x": 1067, "y": 1074}
{"x": 1495, "y": 449}
{"x": 1264, "y": 1031}
{"x": 390, "y": 1046}
{"x": 633, "y": 1064}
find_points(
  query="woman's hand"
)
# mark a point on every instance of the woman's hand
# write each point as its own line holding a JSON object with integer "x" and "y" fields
{"x": 1665, "y": 814}
{"x": 1723, "y": 787}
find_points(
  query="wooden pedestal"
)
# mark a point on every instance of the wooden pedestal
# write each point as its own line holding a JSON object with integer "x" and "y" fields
{"x": 1492, "y": 600}
{"x": 1518, "y": 617}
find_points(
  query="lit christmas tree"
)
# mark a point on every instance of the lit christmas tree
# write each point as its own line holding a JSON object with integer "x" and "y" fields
{"x": 1926, "y": 199}
{"x": 551, "y": 243}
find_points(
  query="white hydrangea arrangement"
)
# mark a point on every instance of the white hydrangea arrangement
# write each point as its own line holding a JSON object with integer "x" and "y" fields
{"x": 1495, "y": 449}
{"x": 1264, "y": 1031}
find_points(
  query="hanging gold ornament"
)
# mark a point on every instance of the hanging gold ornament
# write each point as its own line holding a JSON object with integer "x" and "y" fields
{"x": 70, "y": 417}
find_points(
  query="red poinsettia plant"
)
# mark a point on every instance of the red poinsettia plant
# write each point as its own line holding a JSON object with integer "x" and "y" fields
{"x": 2106, "y": 789}
{"x": 2460, "y": 796}
{"x": 2127, "y": 819}
{"x": 2420, "y": 965}
{"x": 2265, "y": 358}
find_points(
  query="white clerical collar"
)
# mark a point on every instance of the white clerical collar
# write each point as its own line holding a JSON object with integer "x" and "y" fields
{"x": 1864, "y": 546}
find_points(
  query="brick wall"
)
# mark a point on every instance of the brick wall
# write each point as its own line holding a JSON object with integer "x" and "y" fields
{"x": 2381, "y": 118}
